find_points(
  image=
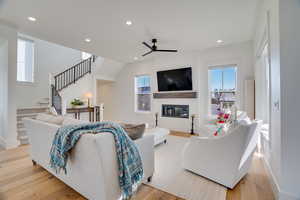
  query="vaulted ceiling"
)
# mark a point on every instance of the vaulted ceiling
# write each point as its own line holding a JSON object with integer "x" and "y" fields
{"x": 185, "y": 25}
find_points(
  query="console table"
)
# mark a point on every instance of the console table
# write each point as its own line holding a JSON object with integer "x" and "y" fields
{"x": 94, "y": 112}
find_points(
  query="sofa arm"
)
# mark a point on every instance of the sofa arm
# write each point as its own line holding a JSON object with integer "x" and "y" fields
{"x": 146, "y": 148}
{"x": 213, "y": 152}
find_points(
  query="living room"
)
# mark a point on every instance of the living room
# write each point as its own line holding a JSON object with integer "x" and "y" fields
{"x": 189, "y": 100}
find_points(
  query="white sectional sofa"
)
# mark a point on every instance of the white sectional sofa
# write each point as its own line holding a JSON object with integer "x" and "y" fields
{"x": 92, "y": 168}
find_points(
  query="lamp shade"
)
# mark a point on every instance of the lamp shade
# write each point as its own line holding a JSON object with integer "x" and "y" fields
{"x": 88, "y": 95}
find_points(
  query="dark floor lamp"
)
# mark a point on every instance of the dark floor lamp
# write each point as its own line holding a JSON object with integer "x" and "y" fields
{"x": 156, "y": 119}
{"x": 192, "y": 129}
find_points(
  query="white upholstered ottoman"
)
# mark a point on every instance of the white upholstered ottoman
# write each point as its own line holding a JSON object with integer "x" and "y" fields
{"x": 160, "y": 134}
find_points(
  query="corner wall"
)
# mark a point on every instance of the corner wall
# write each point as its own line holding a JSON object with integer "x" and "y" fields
{"x": 3, "y": 88}
{"x": 9, "y": 85}
{"x": 284, "y": 45}
{"x": 48, "y": 58}
{"x": 289, "y": 11}
{"x": 270, "y": 9}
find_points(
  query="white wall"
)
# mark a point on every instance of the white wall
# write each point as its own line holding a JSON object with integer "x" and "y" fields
{"x": 270, "y": 7}
{"x": 284, "y": 44}
{"x": 106, "y": 69}
{"x": 3, "y": 85}
{"x": 105, "y": 95}
{"x": 9, "y": 85}
{"x": 289, "y": 12}
{"x": 53, "y": 58}
{"x": 49, "y": 58}
{"x": 123, "y": 90}
{"x": 103, "y": 69}
{"x": 78, "y": 90}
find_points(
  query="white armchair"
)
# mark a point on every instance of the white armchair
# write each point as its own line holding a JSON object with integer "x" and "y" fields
{"x": 223, "y": 159}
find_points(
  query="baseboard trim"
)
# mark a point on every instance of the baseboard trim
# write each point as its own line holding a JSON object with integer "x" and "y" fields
{"x": 286, "y": 196}
{"x": 272, "y": 178}
{"x": 279, "y": 194}
{"x": 2, "y": 143}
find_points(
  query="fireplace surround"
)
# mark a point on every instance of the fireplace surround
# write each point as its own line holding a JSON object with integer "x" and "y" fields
{"x": 175, "y": 111}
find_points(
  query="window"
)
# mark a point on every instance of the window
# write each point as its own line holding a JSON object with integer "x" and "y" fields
{"x": 262, "y": 82}
{"x": 25, "y": 63}
{"x": 85, "y": 55}
{"x": 142, "y": 94}
{"x": 222, "y": 88}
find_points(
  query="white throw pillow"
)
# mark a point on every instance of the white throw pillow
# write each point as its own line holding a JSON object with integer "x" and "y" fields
{"x": 52, "y": 119}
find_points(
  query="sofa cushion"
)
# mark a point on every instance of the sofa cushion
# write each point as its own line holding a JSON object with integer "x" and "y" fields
{"x": 72, "y": 121}
{"x": 52, "y": 119}
{"x": 134, "y": 131}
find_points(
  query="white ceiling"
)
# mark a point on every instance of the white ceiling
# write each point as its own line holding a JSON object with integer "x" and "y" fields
{"x": 182, "y": 24}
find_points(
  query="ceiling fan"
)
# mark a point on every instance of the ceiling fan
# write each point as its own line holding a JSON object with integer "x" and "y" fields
{"x": 154, "y": 48}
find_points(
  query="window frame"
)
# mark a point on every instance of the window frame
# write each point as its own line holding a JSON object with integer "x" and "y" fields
{"x": 220, "y": 67}
{"x": 135, "y": 95}
{"x": 33, "y": 82}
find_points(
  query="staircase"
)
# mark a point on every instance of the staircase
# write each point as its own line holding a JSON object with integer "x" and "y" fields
{"x": 61, "y": 81}
{"x": 26, "y": 113}
{"x": 68, "y": 77}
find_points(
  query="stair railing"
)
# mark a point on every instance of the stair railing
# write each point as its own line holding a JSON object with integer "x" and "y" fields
{"x": 68, "y": 77}
{"x": 56, "y": 100}
{"x": 73, "y": 74}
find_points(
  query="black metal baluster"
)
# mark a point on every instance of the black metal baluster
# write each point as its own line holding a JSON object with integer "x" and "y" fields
{"x": 90, "y": 66}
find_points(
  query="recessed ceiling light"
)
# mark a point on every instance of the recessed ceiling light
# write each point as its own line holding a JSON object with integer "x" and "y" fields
{"x": 219, "y": 41}
{"x": 135, "y": 58}
{"x": 87, "y": 40}
{"x": 31, "y": 19}
{"x": 128, "y": 22}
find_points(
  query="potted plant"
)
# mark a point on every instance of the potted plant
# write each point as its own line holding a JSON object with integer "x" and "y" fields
{"x": 76, "y": 102}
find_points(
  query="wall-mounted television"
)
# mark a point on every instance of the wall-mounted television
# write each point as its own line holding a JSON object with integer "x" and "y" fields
{"x": 175, "y": 80}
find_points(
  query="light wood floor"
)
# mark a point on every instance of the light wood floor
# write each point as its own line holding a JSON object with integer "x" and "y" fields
{"x": 20, "y": 180}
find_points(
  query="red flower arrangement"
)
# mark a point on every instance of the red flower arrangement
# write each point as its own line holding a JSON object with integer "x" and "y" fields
{"x": 222, "y": 118}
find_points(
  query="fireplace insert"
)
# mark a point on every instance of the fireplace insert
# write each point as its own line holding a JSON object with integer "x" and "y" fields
{"x": 177, "y": 111}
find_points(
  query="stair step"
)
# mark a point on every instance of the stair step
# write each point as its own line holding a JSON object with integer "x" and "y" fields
{"x": 22, "y": 111}
{"x": 20, "y": 125}
{"x": 20, "y": 117}
{"x": 22, "y": 132}
{"x": 24, "y": 140}
{"x": 21, "y": 129}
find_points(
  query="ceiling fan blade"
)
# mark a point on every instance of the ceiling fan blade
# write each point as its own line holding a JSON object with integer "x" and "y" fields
{"x": 147, "y": 45}
{"x": 147, "y": 53}
{"x": 167, "y": 50}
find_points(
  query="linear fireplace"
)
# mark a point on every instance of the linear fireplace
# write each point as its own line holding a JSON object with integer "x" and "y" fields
{"x": 177, "y": 111}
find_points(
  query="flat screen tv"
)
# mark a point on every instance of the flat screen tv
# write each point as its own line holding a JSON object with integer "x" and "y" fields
{"x": 175, "y": 80}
